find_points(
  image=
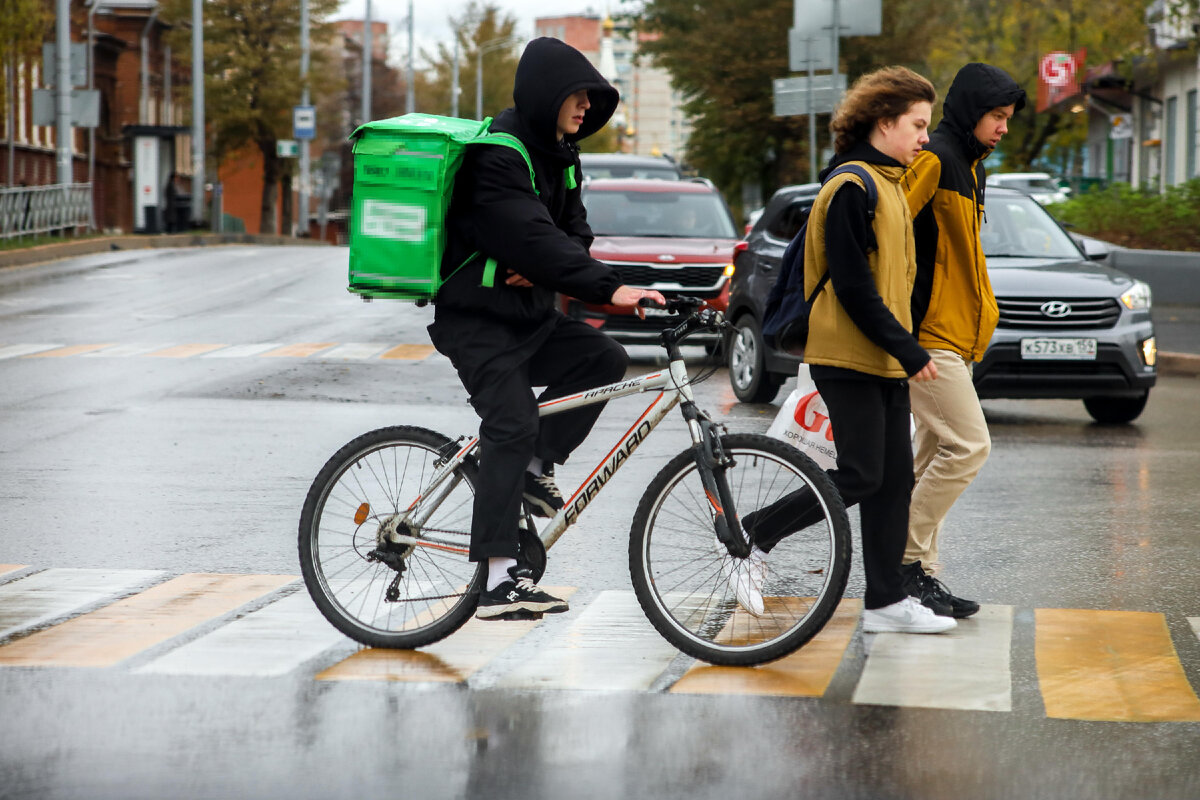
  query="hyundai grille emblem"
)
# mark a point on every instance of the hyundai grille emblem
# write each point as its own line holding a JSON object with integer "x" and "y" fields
{"x": 1056, "y": 309}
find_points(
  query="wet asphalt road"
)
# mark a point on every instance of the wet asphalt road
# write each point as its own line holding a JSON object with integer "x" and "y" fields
{"x": 200, "y": 464}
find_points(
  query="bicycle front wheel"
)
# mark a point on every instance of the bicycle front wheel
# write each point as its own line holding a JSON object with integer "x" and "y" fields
{"x": 376, "y": 573}
{"x": 681, "y": 571}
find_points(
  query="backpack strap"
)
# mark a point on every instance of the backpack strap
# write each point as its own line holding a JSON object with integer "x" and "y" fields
{"x": 872, "y": 200}
{"x": 510, "y": 141}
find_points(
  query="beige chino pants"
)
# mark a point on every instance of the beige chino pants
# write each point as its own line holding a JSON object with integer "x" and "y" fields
{"x": 951, "y": 444}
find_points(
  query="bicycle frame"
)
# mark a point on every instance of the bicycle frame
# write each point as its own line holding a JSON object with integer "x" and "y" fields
{"x": 672, "y": 387}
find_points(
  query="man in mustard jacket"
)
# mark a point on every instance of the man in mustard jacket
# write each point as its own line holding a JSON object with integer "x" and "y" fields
{"x": 954, "y": 313}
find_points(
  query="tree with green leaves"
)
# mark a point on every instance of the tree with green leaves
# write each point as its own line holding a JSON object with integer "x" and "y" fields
{"x": 736, "y": 137}
{"x": 24, "y": 24}
{"x": 252, "y": 75}
{"x": 480, "y": 25}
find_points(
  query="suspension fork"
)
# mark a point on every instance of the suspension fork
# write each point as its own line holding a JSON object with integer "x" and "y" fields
{"x": 712, "y": 463}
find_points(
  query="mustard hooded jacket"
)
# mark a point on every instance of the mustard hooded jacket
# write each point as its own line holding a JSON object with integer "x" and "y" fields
{"x": 952, "y": 301}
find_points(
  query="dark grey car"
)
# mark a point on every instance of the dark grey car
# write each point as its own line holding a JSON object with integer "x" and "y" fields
{"x": 1069, "y": 327}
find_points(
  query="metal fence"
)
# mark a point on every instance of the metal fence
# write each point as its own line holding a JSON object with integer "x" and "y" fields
{"x": 28, "y": 210}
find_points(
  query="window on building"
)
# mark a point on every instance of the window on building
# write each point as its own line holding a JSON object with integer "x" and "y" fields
{"x": 1168, "y": 142}
{"x": 1191, "y": 126}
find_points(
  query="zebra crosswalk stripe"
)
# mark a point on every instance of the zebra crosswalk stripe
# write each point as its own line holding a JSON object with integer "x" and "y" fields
{"x": 43, "y": 596}
{"x": 610, "y": 646}
{"x": 271, "y": 641}
{"x": 115, "y": 632}
{"x": 805, "y": 673}
{"x": 452, "y": 660}
{"x": 966, "y": 669}
{"x": 1118, "y": 666}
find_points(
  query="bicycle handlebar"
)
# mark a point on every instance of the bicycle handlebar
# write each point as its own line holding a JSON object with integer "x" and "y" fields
{"x": 675, "y": 305}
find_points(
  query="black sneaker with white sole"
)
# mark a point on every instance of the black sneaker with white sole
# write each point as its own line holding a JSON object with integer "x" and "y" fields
{"x": 541, "y": 493}
{"x": 519, "y": 598}
{"x": 934, "y": 595}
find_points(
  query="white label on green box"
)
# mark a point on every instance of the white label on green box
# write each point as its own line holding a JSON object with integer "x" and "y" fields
{"x": 397, "y": 221}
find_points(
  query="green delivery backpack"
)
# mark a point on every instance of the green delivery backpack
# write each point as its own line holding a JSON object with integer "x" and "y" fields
{"x": 404, "y": 170}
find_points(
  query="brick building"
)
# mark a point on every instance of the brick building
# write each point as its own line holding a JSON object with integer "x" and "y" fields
{"x": 120, "y": 30}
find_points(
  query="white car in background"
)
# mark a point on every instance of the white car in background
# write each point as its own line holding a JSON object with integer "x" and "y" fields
{"x": 1038, "y": 185}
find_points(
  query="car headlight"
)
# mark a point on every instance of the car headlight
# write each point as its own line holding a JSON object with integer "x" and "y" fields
{"x": 1137, "y": 297}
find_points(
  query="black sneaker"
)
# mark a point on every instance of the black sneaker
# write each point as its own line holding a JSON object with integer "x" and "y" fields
{"x": 519, "y": 598}
{"x": 916, "y": 584}
{"x": 542, "y": 494}
{"x": 934, "y": 595}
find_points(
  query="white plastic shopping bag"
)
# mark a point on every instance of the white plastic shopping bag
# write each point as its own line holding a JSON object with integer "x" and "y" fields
{"x": 804, "y": 422}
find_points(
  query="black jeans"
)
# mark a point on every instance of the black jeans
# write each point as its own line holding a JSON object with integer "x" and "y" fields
{"x": 571, "y": 356}
{"x": 870, "y": 419}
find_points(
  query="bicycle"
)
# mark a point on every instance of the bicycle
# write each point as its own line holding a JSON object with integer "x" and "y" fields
{"x": 385, "y": 528}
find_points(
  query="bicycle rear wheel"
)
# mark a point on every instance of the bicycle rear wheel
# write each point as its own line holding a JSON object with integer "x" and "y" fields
{"x": 384, "y": 593}
{"x": 680, "y": 570}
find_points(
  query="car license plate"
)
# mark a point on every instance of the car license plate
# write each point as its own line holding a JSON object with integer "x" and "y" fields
{"x": 657, "y": 312}
{"x": 1059, "y": 349}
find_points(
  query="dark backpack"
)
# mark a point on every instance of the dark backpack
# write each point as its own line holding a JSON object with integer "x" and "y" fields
{"x": 785, "y": 320}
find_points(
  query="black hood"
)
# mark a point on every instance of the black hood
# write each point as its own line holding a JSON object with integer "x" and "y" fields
{"x": 976, "y": 90}
{"x": 549, "y": 72}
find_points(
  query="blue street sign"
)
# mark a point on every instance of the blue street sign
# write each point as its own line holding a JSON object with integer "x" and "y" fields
{"x": 304, "y": 122}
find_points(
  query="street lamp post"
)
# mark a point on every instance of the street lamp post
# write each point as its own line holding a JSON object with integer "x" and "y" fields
{"x": 487, "y": 47}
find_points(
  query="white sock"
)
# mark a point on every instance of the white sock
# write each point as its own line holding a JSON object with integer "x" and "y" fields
{"x": 535, "y": 467}
{"x": 498, "y": 571}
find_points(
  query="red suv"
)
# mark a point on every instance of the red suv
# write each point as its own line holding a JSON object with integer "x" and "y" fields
{"x": 673, "y": 236}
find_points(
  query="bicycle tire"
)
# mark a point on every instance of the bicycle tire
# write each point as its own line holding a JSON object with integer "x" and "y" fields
{"x": 376, "y": 476}
{"x": 675, "y": 561}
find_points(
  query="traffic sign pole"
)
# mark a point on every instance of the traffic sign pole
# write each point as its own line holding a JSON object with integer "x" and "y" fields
{"x": 304, "y": 153}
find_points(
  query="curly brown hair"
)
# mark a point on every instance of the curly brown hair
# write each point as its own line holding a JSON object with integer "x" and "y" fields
{"x": 883, "y": 94}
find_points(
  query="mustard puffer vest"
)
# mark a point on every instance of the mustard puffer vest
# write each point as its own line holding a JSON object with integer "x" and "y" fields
{"x": 833, "y": 338}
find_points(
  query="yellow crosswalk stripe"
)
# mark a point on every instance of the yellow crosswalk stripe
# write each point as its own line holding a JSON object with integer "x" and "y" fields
{"x": 112, "y": 634}
{"x": 1112, "y": 666}
{"x": 11, "y": 567}
{"x": 452, "y": 660}
{"x": 185, "y": 350}
{"x": 302, "y": 350}
{"x": 409, "y": 352}
{"x": 71, "y": 350}
{"x": 805, "y": 673}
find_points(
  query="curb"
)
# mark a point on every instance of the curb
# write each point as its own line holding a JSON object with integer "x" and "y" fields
{"x": 1179, "y": 364}
{"x": 53, "y": 252}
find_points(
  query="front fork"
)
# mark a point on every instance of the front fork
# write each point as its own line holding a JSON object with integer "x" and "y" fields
{"x": 712, "y": 463}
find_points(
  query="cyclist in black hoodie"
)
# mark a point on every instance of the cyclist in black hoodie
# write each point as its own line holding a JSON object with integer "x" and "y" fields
{"x": 507, "y": 337}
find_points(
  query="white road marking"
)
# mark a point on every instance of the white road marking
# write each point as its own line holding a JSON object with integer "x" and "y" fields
{"x": 610, "y": 646}
{"x": 966, "y": 669}
{"x": 272, "y": 641}
{"x": 17, "y": 350}
{"x": 30, "y": 601}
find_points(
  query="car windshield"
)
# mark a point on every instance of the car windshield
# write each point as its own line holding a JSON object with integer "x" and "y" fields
{"x": 641, "y": 173}
{"x": 691, "y": 215}
{"x": 1017, "y": 227}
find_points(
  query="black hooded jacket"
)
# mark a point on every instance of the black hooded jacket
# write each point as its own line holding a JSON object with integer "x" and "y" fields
{"x": 543, "y": 235}
{"x": 952, "y": 301}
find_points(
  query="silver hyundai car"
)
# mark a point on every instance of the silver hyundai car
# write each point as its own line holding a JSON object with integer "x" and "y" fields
{"x": 1070, "y": 326}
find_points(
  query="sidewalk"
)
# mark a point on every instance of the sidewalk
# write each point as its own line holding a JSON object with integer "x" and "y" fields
{"x": 82, "y": 247}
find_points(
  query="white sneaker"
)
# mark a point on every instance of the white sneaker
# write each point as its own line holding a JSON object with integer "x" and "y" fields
{"x": 746, "y": 577}
{"x": 906, "y": 616}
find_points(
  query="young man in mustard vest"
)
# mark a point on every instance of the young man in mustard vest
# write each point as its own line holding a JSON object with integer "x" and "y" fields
{"x": 954, "y": 313}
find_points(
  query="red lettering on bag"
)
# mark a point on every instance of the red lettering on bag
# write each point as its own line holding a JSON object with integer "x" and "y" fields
{"x": 809, "y": 418}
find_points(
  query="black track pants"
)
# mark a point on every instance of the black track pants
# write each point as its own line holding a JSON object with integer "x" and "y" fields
{"x": 870, "y": 419}
{"x": 498, "y": 374}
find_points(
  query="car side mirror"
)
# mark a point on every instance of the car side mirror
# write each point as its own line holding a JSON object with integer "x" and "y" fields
{"x": 1096, "y": 250}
